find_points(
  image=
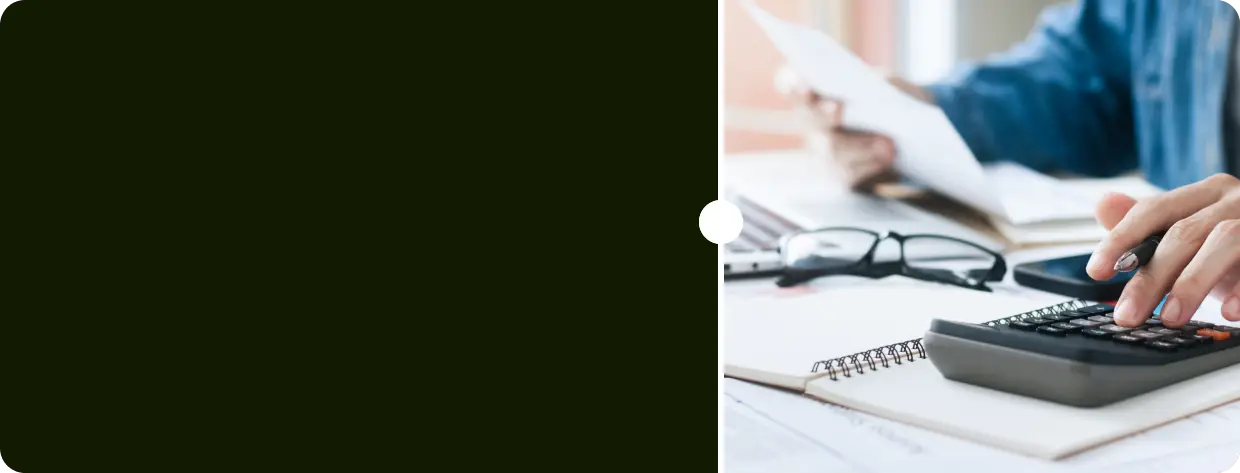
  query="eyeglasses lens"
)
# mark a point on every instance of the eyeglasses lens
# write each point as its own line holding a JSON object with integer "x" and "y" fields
{"x": 947, "y": 259}
{"x": 827, "y": 249}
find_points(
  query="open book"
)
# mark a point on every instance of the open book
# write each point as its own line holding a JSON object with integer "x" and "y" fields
{"x": 856, "y": 343}
{"x": 1024, "y": 205}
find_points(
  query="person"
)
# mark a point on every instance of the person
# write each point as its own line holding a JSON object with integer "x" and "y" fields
{"x": 1100, "y": 88}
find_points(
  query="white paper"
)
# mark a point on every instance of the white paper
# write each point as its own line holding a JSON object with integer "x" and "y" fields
{"x": 1051, "y": 232}
{"x": 1094, "y": 188}
{"x": 1236, "y": 467}
{"x": 930, "y": 150}
{"x": 755, "y": 443}
{"x": 1029, "y": 196}
{"x": 871, "y": 443}
{"x": 1075, "y": 198}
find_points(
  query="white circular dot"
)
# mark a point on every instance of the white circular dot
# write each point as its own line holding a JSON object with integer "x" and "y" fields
{"x": 720, "y": 222}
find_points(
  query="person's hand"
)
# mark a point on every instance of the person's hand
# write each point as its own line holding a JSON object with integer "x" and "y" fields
{"x": 1199, "y": 256}
{"x": 866, "y": 158}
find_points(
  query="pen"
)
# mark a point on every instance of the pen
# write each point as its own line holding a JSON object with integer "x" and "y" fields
{"x": 1139, "y": 256}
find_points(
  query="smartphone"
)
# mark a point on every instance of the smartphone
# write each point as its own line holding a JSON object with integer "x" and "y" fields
{"x": 1067, "y": 277}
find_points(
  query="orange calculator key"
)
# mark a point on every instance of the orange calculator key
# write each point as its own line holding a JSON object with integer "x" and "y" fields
{"x": 1218, "y": 336}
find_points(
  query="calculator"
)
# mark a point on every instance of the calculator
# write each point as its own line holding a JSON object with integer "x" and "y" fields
{"x": 1078, "y": 357}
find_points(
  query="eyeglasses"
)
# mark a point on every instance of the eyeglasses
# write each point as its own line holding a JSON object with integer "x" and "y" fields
{"x": 812, "y": 254}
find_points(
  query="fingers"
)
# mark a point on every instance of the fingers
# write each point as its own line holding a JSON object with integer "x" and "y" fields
{"x": 832, "y": 113}
{"x": 1213, "y": 265}
{"x": 866, "y": 158}
{"x": 1151, "y": 216}
{"x": 787, "y": 81}
{"x": 828, "y": 114}
{"x": 1229, "y": 286}
{"x": 1112, "y": 208}
{"x": 1231, "y": 303}
{"x": 808, "y": 104}
{"x": 1183, "y": 241}
{"x": 823, "y": 114}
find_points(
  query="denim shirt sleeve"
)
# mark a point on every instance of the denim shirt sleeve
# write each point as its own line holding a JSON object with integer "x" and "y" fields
{"x": 1059, "y": 101}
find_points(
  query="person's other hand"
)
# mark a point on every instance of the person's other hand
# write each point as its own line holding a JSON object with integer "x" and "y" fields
{"x": 1199, "y": 256}
{"x": 866, "y": 158}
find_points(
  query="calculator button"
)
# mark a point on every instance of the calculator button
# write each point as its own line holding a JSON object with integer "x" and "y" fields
{"x": 1148, "y": 335}
{"x": 1097, "y": 333}
{"x": 1073, "y": 314}
{"x": 1019, "y": 325}
{"x": 1116, "y": 329}
{"x": 1154, "y": 322}
{"x": 1200, "y": 324}
{"x": 1098, "y": 309}
{"x": 1086, "y": 323}
{"x": 1162, "y": 345}
{"x": 1184, "y": 342}
{"x": 1051, "y": 330}
{"x": 1218, "y": 336}
{"x": 1194, "y": 328}
{"x": 1203, "y": 338}
{"x": 1226, "y": 328}
{"x": 1102, "y": 318}
{"x": 1037, "y": 321}
{"x": 1164, "y": 330}
{"x": 1056, "y": 318}
{"x": 1067, "y": 327}
{"x": 1128, "y": 339}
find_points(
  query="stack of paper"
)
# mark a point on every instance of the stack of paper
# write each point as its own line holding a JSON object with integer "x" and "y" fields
{"x": 1025, "y": 206}
{"x": 1041, "y": 209}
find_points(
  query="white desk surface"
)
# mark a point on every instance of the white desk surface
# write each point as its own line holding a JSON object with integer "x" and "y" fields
{"x": 768, "y": 430}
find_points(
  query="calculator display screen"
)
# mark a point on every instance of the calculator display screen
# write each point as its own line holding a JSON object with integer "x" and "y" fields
{"x": 1074, "y": 268}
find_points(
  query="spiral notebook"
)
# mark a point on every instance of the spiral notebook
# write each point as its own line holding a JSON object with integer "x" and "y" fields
{"x": 768, "y": 334}
{"x": 774, "y": 336}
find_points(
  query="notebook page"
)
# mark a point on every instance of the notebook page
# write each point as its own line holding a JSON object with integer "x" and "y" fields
{"x": 918, "y": 394}
{"x": 774, "y": 336}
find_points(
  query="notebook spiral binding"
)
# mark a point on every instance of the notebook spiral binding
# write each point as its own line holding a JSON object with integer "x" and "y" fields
{"x": 911, "y": 350}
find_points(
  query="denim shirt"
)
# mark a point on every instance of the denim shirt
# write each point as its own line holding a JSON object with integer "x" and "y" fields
{"x": 1103, "y": 87}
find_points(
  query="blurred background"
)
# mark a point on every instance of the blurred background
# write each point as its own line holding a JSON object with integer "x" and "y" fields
{"x": 920, "y": 40}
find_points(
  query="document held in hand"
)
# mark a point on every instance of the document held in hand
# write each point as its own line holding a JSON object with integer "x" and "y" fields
{"x": 930, "y": 150}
